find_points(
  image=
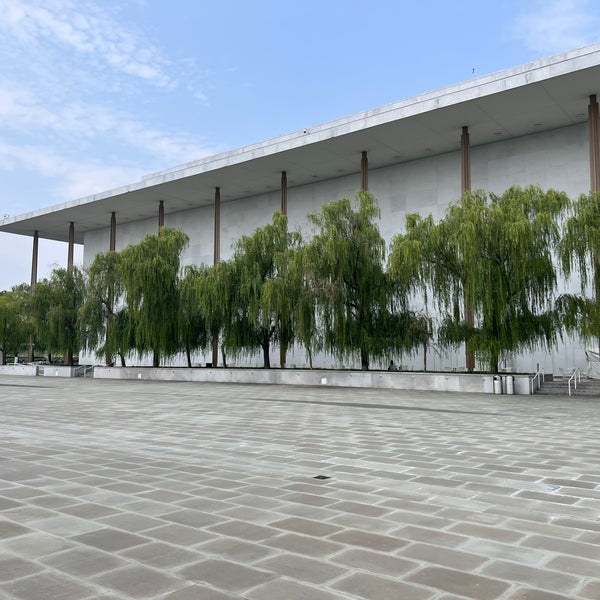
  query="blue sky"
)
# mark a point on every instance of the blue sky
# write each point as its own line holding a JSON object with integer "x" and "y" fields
{"x": 94, "y": 95}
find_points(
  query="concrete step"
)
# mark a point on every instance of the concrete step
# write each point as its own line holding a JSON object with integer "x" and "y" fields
{"x": 560, "y": 387}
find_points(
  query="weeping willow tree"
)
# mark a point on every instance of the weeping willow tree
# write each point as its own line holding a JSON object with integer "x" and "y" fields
{"x": 149, "y": 273}
{"x": 14, "y": 325}
{"x": 361, "y": 310}
{"x": 193, "y": 331}
{"x": 579, "y": 251}
{"x": 497, "y": 255}
{"x": 218, "y": 290}
{"x": 106, "y": 328}
{"x": 55, "y": 310}
{"x": 263, "y": 300}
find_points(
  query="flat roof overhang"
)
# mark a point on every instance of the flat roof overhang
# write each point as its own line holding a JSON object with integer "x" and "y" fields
{"x": 542, "y": 95}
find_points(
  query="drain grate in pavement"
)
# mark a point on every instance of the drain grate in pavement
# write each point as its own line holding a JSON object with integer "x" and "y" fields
{"x": 321, "y": 477}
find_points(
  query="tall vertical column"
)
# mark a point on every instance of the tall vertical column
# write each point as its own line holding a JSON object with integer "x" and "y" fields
{"x": 71, "y": 246}
{"x": 216, "y": 259}
{"x": 34, "y": 267}
{"x": 161, "y": 215}
{"x": 284, "y": 193}
{"x": 283, "y": 345}
{"x": 465, "y": 186}
{"x": 465, "y": 161}
{"x": 113, "y": 232}
{"x": 364, "y": 172}
{"x": 594, "y": 128}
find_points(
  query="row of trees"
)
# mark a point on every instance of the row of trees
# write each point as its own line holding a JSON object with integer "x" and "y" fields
{"x": 497, "y": 257}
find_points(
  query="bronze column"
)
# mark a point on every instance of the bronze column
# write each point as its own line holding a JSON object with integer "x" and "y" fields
{"x": 364, "y": 172}
{"x": 71, "y": 246}
{"x": 216, "y": 259}
{"x": 284, "y": 193}
{"x": 34, "y": 266}
{"x": 283, "y": 346}
{"x": 594, "y": 127}
{"x": 465, "y": 186}
{"x": 113, "y": 232}
{"x": 161, "y": 215}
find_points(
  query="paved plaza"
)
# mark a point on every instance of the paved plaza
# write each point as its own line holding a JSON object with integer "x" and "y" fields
{"x": 183, "y": 491}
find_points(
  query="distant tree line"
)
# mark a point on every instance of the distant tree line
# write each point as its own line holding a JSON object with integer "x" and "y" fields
{"x": 341, "y": 292}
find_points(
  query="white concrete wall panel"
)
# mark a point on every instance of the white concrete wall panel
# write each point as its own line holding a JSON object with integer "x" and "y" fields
{"x": 552, "y": 159}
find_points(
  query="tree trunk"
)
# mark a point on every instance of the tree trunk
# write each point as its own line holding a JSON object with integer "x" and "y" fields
{"x": 155, "y": 359}
{"x": 188, "y": 355}
{"x": 122, "y": 357}
{"x": 68, "y": 358}
{"x": 266, "y": 357}
{"x": 3, "y": 359}
{"x": 364, "y": 359}
{"x": 224, "y": 357}
{"x": 425, "y": 356}
{"x": 310, "y": 358}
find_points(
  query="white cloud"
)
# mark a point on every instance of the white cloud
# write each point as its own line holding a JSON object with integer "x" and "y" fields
{"x": 87, "y": 30}
{"x": 556, "y": 25}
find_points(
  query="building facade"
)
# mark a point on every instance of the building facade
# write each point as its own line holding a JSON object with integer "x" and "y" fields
{"x": 533, "y": 124}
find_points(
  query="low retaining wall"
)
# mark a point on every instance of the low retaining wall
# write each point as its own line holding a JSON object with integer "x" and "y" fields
{"x": 441, "y": 382}
{"x": 23, "y": 370}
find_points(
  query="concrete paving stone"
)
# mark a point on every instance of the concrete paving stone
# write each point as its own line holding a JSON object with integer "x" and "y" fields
{"x": 551, "y": 529}
{"x": 255, "y": 502}
{"x": 558, "y": 498}
{"x": 562, "y": 546}
{"x": 581, "y": 524}
{"x": 226, "y": 575}
{"x": 160, "y": 554}
{"x": 64, "y": 525}
{"x": 302, "y": 544}
{"x": 8, "y": 529}
{"x": 83, "y": 562}
{"x": 209, "y": 505}
{"x": 7, "y": 504}
{"x": 372, "y": 541}
{"x": 245, "y": 530}
{"x": 52, "y": 501}
{"x": 306, "y": 526}
{"x": 301, "y": 568}
{"x": 46, "y": 586}
{"x": 21, "y": 492}
{"x": 459, "y": 582}
{"x": 369, "y": 586}
{"x": 591, "y": 590}
{"x": 375, "y": 562}
{"x": 26, "y": 514}
{"x": 109, "y": 540}
{"x": 35, "y": 545}
{"x": 199, "y": 592}
{"x": 445, "y": 557}
{"x": 430, "y": 536}
{"x": 573, "y": 564}
{"x": 130, "y": 522}
{"x": 236, "y": 550}
{"x": 139, "y": 582}
{"x": 531, "y": 594}
{"x": 310, "y": 499}
{"x": 13, "y": 567}
{"x": 193, "y": 518}
{"x": 178, "y": 534}
{"x": 589, "y": 537}
{"x": 490, "y": 533}
{"x": 360, "y": 509}
{"x": 283, "y": 589}
{"x": 535, "y": 577}
{"x": 353, "y": 521}
{"x": 90, "y": 510}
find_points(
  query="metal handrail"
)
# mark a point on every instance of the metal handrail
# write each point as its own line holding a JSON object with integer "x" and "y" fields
{"x": 537, "y": 380}
{"x": 574, "y": 378}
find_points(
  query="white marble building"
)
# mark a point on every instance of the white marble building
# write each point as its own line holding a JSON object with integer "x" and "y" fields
{"x": 533, "y": 124}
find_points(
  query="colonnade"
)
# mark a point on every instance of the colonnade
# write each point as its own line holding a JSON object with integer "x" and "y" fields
{"x": 465, "y": 172}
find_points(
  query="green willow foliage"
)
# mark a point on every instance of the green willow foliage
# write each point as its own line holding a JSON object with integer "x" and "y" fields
{"x": 496, "y": 255}
{"x": 193, "y": 330}
{"x": 14, "y": 327}
{"x": 263, "y": 302}
{"x": 149, "y": 272}
{"x": 361, "y": 310}
{"x": 579, "y": 251}
{"x": 55, "y": 312}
